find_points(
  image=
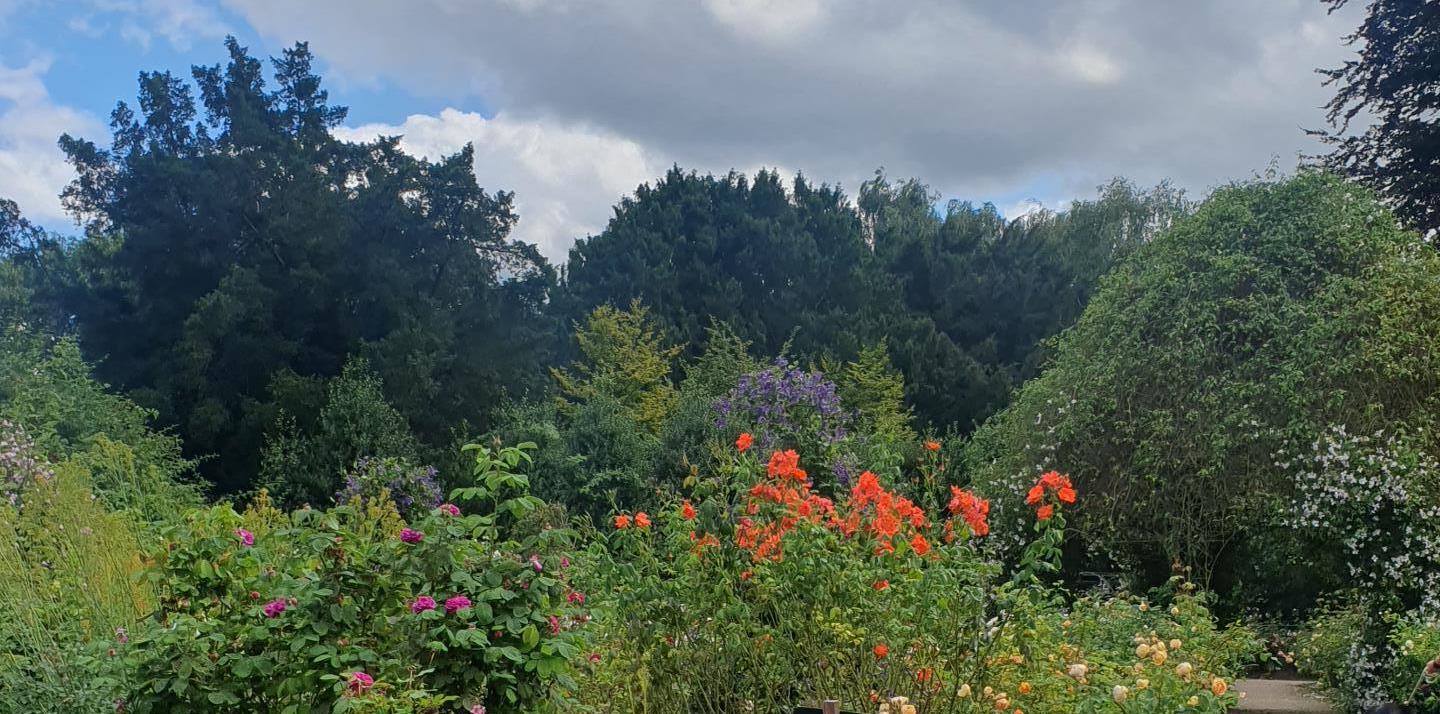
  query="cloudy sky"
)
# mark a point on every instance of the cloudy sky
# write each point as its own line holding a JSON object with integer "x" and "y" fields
{"x": 573, "y": 103}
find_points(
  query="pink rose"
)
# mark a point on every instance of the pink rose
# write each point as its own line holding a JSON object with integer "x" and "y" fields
{"x": 360, "y": 683}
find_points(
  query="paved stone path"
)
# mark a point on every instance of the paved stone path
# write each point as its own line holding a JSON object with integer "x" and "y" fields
{"x": 1281, "y": 696}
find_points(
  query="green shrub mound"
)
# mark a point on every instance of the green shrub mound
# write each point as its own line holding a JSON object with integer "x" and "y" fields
{"x": 1212, "y": 357}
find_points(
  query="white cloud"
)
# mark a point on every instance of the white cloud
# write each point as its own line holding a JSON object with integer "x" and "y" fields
{"x": 977, "y": 99}
{"x": 32, "y": 168}
{"x": 565, "y": 177}
{"x": 179, "y": 22}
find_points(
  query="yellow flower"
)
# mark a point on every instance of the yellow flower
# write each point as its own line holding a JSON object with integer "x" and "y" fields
{"x": 964, "y": 691}
{"x": 1120, "y": 693}
{"x": 1193, "y": 701}
{"x": 1174, "y": 644}
{"x": 1218, "y": 687}
{"x": 1077, "y": 671}
{"x": 1142, "y": 683}
{"x": 1183, "y": 669}
{"x": 1158, "y": 657}
{"x": 1142, "y": 651}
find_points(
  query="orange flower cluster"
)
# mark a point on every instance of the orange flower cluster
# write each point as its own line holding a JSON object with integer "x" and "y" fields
{"x": 1051, "y": 482}
{"x": 787, "y": 486}
{"x": 701, "y": 542}
{"x": 889, "y": 515}
{"x": 973, "y": 509}
{"x": 623, "y": 521}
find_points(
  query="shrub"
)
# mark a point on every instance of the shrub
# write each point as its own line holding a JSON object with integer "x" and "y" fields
{"x": 20, "y": 467}
{"x": 68, "y": 593}
{"x": 1375, "y": 500}
{"x": 1415, "y": 674}
{"x": 354, "y": 609}
{"x": 1279, "y": 309}
{"x": 1365, "y": 659}
{"x": 786, "y": 407}
{"x": 759, "y": 594}
{"x": 1340, "y": 647}
{"x": 414, "y": 489}
{"x": 303, "y": 462}
{"x": 51, "y": 392}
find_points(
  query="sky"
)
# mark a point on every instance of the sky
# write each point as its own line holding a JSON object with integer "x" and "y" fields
{"x": 572, "y": 104}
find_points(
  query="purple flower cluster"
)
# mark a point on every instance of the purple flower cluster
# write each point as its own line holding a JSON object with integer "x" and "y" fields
{"x": 414, "y": 489}
{"x": 784, "y": 403}
{"x": 19, "y": 466}
{"x": 273, "y": 608}
{"x": 453, "y": 604}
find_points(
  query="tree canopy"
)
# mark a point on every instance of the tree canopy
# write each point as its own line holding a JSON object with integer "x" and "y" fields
{"x": 1394, "y": 84}
{"x": 235, "y": 239}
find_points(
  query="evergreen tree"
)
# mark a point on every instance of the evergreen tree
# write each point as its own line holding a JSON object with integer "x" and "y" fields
{"x": 235, "y": 238}
{"x": 1395, "y": 79}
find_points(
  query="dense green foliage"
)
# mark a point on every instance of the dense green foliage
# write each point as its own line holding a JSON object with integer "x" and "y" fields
{"x": 272, "y": 612}
{"x": 964, "y": 297}
{"x": 1281, "y": 308}
{"x": 86, "y": 481}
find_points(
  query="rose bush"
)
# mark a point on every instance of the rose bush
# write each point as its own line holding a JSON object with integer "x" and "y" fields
{"x": 759, "y": 592}
{"x": 354, "y": 609}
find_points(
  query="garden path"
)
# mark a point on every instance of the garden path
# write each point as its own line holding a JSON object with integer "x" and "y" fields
{"x": 1281, "y": 696}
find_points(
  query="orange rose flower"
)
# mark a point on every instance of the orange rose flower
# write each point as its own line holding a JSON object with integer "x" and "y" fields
{"x": 932, "y": 445}
{"x": 744, "y": 576}
{"x": 744, "y": 441}
{"x": 642, "y": 520}
{"x": 1066, "y": 494}
{"x": 920, "y": 545}
{"x": 882, "y": 584}
{"x": 1045, "y": 512}
{"x": 687, "y": 511}
{"x": 881, "y": 651}
{"x": 622, "y": 522}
